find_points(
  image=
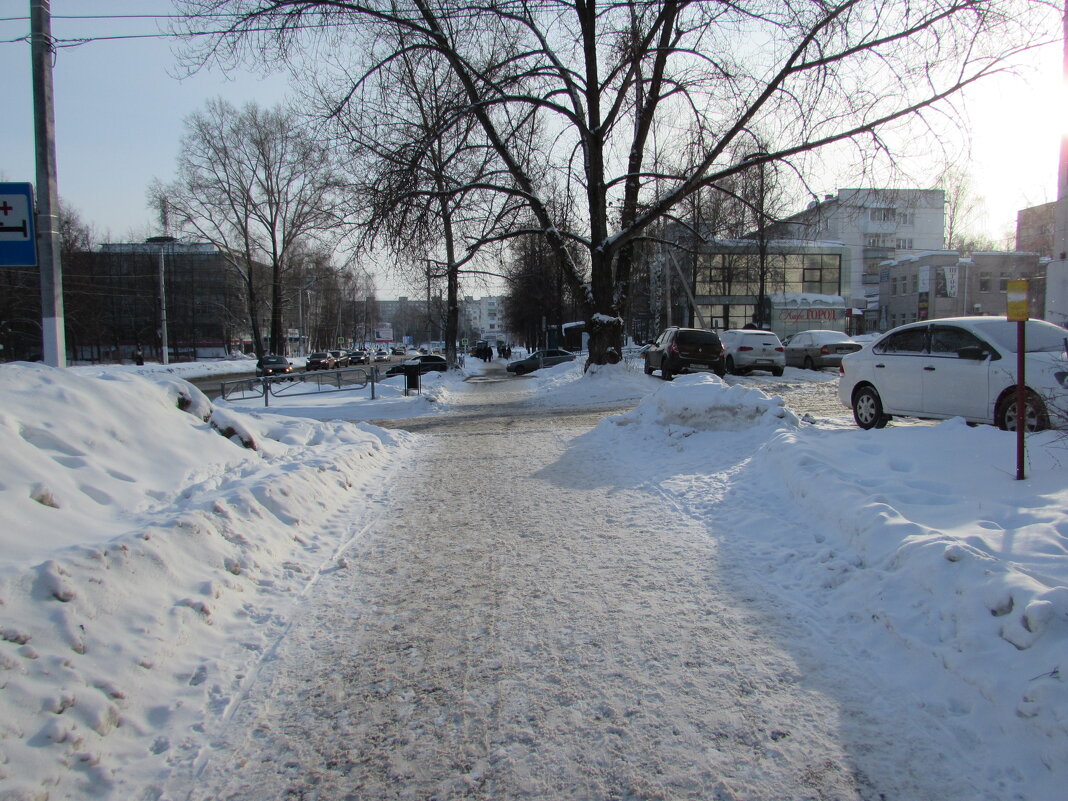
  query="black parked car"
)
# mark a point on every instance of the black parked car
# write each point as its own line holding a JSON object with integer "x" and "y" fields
{"x": 426, "y": 363}
{"x": 681, "y": 350}
{"x": 273, "y": 365}
{"x": 540, "y": 358}
{"x": 320, "y": 360}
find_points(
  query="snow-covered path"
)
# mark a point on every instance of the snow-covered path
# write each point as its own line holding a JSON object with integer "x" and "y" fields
{"x": 522, "y": 626}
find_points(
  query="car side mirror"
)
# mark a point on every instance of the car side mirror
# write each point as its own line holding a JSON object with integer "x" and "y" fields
{"x": 973, "y": 352}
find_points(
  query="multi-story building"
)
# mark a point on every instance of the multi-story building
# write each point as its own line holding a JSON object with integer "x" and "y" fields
{"x": 486, "y": 317}
{"x": 875, "y": 225}
{"x": 1034, "y": 229}
{"x": 945, "y": 284}
{"x": 725, "y": 281}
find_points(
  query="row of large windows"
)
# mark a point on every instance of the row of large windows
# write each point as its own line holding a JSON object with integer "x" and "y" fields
{"x": 739, "y": 274}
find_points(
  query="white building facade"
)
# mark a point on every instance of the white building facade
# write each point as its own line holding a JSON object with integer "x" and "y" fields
{"x": 875, "y": 225}
{"x": 485, "y": 318}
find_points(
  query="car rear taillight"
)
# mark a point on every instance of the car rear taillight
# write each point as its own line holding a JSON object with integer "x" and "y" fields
{"x": 841, "y": 368}
{"x": 779, "y": 350}
{"x": 673, "y": 349}
{"x": 744, "y": 347}
{"x": 824, "y": 351}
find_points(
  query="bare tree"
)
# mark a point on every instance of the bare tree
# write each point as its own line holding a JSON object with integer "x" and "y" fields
{"x": 420, "y": 167}
{"x": 258, "y": 186}
{"x": 963, "y": 211}
{"x": 603, "y": 78}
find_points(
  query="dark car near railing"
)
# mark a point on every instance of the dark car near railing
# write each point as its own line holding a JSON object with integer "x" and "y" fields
{"x": 539, "y": 359}
{"x": 426, "y": 363}
{"x": 273, "y": 365}
{"x": 320, "y": 360}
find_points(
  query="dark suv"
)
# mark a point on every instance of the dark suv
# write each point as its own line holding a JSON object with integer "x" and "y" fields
{"x": 680, "y": 350}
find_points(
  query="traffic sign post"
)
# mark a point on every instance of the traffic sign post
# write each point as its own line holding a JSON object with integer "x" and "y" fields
{"x": 18, "y": 238}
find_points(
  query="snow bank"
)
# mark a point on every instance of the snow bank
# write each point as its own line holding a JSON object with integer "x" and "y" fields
{"x": 911, "y": 549}
{"x": 150, "y": 558}
{"x": 928, "y": 537}
{"x": 704, "y": 402}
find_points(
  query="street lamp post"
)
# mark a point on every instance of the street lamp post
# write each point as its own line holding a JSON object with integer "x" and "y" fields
{"x": 300, "y": 314}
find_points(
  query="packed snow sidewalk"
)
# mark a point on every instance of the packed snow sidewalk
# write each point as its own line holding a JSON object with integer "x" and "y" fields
{"x": 703, "y": 597}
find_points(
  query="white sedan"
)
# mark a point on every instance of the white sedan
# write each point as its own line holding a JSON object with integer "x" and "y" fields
{"x": 959, "y": 367}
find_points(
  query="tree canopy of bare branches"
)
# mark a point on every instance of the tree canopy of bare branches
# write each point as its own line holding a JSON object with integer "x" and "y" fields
{"x": 256, "y": 184}
{"x": 610, "y": 89}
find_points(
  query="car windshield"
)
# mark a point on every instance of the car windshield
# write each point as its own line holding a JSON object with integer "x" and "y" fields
{"x": 693, "y": 337}
{"x": 1039, "y": 335}
{"x": 273, "y": 360}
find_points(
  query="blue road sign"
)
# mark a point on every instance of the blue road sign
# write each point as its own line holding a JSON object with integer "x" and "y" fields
{"x": 18, "y": 239}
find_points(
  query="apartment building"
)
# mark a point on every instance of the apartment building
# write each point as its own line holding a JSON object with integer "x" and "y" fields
{"x": 875, "y": 225}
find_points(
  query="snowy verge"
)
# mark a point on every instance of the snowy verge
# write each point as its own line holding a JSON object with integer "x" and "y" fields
{"x": 911, "y": 549}
{"x": 151, "y": 557}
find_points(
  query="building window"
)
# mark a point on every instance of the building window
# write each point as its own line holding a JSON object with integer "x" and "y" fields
{"x": 984, "y": 282}
{"x": 914, "y": 281}
{"x": 1003, "y": 283}
{"x": 904, "y": 244}
{"x": 906, "y": 218}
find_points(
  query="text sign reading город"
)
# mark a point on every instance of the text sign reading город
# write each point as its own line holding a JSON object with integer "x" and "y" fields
{"x": 18, "y": 240}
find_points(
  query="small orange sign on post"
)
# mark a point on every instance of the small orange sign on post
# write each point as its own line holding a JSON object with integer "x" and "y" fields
{"x": 1019, "y": 310}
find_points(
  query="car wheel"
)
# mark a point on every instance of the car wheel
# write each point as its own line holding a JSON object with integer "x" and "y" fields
{"x": 731, "y": 368}
{"x": 809, "y": 364}
{"x": 868, "y": 409}
{"x": 1036, "y": 418}
{"x": 776, "y": 371}
{"x": 648, "y": 368}
{"x": 665, "y": 372}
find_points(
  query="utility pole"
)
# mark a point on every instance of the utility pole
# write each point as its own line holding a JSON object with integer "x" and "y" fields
{"x": 44, "y": 124}
{"x": 1057, "y": 271}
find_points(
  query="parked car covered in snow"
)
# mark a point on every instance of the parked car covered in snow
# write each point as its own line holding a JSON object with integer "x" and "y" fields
{"x": 959, "y": 367}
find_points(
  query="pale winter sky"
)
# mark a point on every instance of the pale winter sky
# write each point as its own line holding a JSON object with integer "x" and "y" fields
{"x": 119, "y": 114}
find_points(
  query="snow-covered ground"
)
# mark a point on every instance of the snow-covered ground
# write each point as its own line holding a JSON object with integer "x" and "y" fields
{"x": 156, "y": 548}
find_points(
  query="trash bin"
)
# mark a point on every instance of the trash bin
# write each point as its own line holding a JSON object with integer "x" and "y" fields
{"x": 411, "y": 378}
